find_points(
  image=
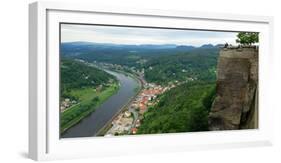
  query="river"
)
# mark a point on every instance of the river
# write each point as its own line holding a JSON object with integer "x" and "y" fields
{"x": 91, "y": 124}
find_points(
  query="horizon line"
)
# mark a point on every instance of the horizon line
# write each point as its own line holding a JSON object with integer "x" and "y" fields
{"x": 143, "y": 44}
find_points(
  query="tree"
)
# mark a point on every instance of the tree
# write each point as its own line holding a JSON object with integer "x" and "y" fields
{"x": 247, "y": 38}
{"x": 96, "y": 99}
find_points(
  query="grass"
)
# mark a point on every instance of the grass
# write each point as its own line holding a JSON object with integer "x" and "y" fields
{"x": 89, "y": 99}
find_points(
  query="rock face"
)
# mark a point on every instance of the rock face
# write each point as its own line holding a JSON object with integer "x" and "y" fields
{"x": 235, "y": 105}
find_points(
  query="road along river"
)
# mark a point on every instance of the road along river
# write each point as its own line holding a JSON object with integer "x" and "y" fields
{"x": 91, "y": 124}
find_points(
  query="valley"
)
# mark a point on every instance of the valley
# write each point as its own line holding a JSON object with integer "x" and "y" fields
{"x": 157, "y": 74}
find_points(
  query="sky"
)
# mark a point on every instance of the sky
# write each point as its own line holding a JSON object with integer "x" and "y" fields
{"x": 136, "y": 35}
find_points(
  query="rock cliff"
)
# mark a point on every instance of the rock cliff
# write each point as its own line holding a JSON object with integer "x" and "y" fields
{"x": 235, "y": 105}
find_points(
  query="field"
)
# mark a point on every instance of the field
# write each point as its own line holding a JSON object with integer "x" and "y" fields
{"x": 89, "y": 99}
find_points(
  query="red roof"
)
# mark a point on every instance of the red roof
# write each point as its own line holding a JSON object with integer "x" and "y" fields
{"x": 134, "y": 130}
{"x": 152, "y": 91}
{"x": 143, "y": 107}
{"x": 144, "y": 100}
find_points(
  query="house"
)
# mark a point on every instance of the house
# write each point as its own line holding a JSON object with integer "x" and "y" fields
{"x": 99, "y": 88}
{"x": 143, "y": 108}
{"x": 138, "y": 123}
{"x": 127, "y": 114}
{"x": 134, "y": 130}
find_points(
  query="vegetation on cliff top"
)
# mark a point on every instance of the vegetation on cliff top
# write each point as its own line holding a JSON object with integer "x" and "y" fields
{"x": 247, "y": 38}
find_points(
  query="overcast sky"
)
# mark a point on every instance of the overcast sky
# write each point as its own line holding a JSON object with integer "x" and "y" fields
{"x": 133, "y": 35}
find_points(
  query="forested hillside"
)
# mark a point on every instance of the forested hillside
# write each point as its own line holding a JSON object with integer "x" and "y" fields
{"x": 182, "y": 109}
{"x": 76, "y": 75}
{"x": 128, "y": 55}
{"x": 161, "y": 63}
{"x": 197, "y": 64}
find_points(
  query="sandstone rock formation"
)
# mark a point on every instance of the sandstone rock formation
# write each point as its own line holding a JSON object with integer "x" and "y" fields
{"x": 235, "y": 105}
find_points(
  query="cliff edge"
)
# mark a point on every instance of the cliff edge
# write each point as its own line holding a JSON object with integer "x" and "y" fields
{"x": 236, "y": 102}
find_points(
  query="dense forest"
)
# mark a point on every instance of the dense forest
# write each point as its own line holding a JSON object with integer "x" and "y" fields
{"x": 194, "y": 65}
{"x": 76, "y": 74}
{"x": 182, "y": 109}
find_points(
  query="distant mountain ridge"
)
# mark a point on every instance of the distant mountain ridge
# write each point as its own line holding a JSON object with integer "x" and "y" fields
{"x": 207, "y": 46}
{"x": 112, "y": 45}
{"x": 74, "y": 48}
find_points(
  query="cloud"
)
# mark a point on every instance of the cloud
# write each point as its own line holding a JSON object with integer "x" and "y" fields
{"x": 138, "y": 35}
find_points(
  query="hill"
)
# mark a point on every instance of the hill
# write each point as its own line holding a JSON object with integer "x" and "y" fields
{"x": 182, "y": 109}
{"x": 76, "y": 75}
{"x": 197, "y": 64}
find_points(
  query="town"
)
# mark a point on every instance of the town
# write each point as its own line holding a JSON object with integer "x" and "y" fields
{"x": 129, "y": 119}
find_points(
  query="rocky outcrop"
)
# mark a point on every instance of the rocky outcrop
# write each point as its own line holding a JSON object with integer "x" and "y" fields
{"x": 235, "y": 105}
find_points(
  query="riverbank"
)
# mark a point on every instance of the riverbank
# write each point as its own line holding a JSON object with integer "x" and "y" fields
{"x": 92, "y": 124}
{"x": 90, "y": 100}
{"x": 108, "y": 125}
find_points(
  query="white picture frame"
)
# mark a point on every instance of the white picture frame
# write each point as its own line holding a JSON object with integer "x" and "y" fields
{"x": 44, "y": 141}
